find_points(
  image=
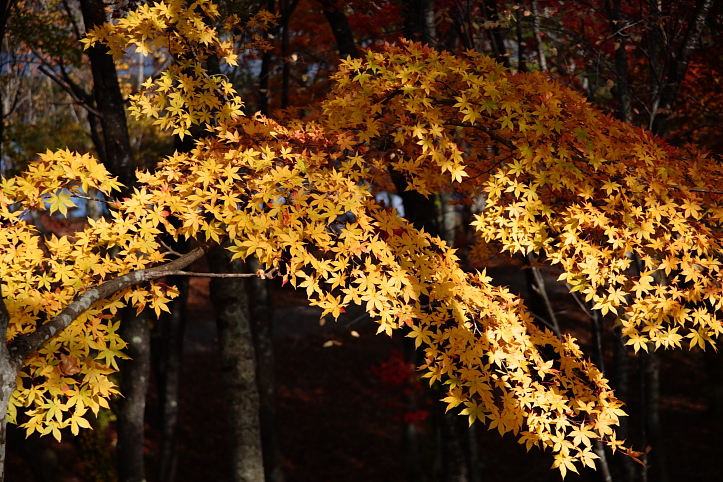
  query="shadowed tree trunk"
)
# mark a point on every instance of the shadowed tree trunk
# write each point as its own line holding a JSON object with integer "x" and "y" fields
{"x": 288, "y": 9}
{"x": 132, "y": 405}
{"x": 496, "y": 37}
{"x": 265, "y": 71}
{"x": 134, "y": 329}
{"x": 340, "y": 27}
{"x": 238, "y": 365}
{"x": 109, "y": 100}
{"x": 170, "y": 349}
{"x": 621, "y": 383}
{"x": 261, "y": 330}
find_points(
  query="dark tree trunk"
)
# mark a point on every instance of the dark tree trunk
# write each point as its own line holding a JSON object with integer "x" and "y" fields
{"x": 497, "y": 40}
{"x": 238, "y": 365}
{"x": 521, "y": 63}
{"x": 342, "y": 31}
{"x": 670, "y": 86}
{"x": 621, "y": 383}
{"x": 5, "y": 8}
{"x": 132, "y": 405}
{"x": 261, "y": 330}
{"x": 265, "y": 72}
{"x": 170, "y": 350}
{"x": 622, "y": 89}
{"x": 418, "y": 21}
{"x": 453, "y": 435}
{"x": 134, "y": 330}
{"x": 288, "y": 9}
{"x": 658, "y": 471}
{"x": 109, "y": 100}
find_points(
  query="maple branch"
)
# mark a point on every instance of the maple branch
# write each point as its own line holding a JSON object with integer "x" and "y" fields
{"x": 257, "y": 274}
{"x": 169, "y": 249}
{"x": 90, "y": 198}
{"x": 494, "y": 136}
{"x": 24, "y": 345}
{"x": 707, "y": 191}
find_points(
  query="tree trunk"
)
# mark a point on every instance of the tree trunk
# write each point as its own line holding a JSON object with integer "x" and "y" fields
{"x": 621, "y": 63}
{"x": 621, "y": 384}
{"x": 497, "y": 41}
{"x": 658, "y": 471}
{"x": 238, "y": 365}
{"x": 9, "y": 367}
{"x": 132, "y": 405}
{"x": 342, "y": 31}
{"x": 170, "y": 349}
{"x": 265, "y": 71}
{"x": 418, "y": 21}
{"x": 288, "y": 8}
{"x": 261, "y": 330}
{"x": 109, "y": 100}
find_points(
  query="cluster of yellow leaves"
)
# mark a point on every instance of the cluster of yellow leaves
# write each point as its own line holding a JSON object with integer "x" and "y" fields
{"x": 634, "y": 224}
{"x": 42, "y": 275}
{"x": 184, "y": 94}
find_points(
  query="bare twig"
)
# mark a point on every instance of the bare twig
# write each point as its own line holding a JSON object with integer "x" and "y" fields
{"x": 257, "y": 274}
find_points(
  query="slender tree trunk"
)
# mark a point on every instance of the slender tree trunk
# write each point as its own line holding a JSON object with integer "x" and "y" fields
{"x": 621, "y": 384}
{"x": 418, "y": 21}
{"x": 265, "y": 71}
{"x": 521, "y": 63}
{"x": 134, "y": 329}
{"x": 289, "y": 7}
{"x": 541, "y": 58}
{"x": 261, "y": 328}
{"x": 653, "y": 431}
{"x": 670, "y": 85}
{"x": 621, "y": 61}
{"x": 132, "y": 405}
{"x": 497, "y": 41}
{"x": 172, "y": 327}
{"x": 238, "y": 364}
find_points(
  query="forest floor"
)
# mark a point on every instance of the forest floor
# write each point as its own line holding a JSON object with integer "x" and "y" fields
{"x": 338, "y": 421}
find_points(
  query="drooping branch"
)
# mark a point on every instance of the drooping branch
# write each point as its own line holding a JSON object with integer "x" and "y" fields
{"x": 26, "y": 344}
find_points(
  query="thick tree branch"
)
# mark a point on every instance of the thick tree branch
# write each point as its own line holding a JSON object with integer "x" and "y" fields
{"x": 26, "y": 344}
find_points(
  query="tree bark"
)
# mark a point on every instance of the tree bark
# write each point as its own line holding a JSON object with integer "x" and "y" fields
{"x": 238, "y": 365}
{"x": 418, "y": 21}
{"x": 653, "y": 431}
{"x": 288, "y": 8}
{"x": 621, "y": 384}
{"x": 496, "y": 37}
{"x": 172, "y": 327}
{"x": 9, "y": 368}
{"x": 109, "y": 100}
{"x": 342, "y": 31}
{"x": 265, "y": 71}
{"x": 621, "y": 62}
{"x": 261, "y": 329}
{"x": 132, "y": 405}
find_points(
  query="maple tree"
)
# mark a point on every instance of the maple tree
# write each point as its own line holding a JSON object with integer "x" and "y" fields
{"x": 634, "y": 223}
